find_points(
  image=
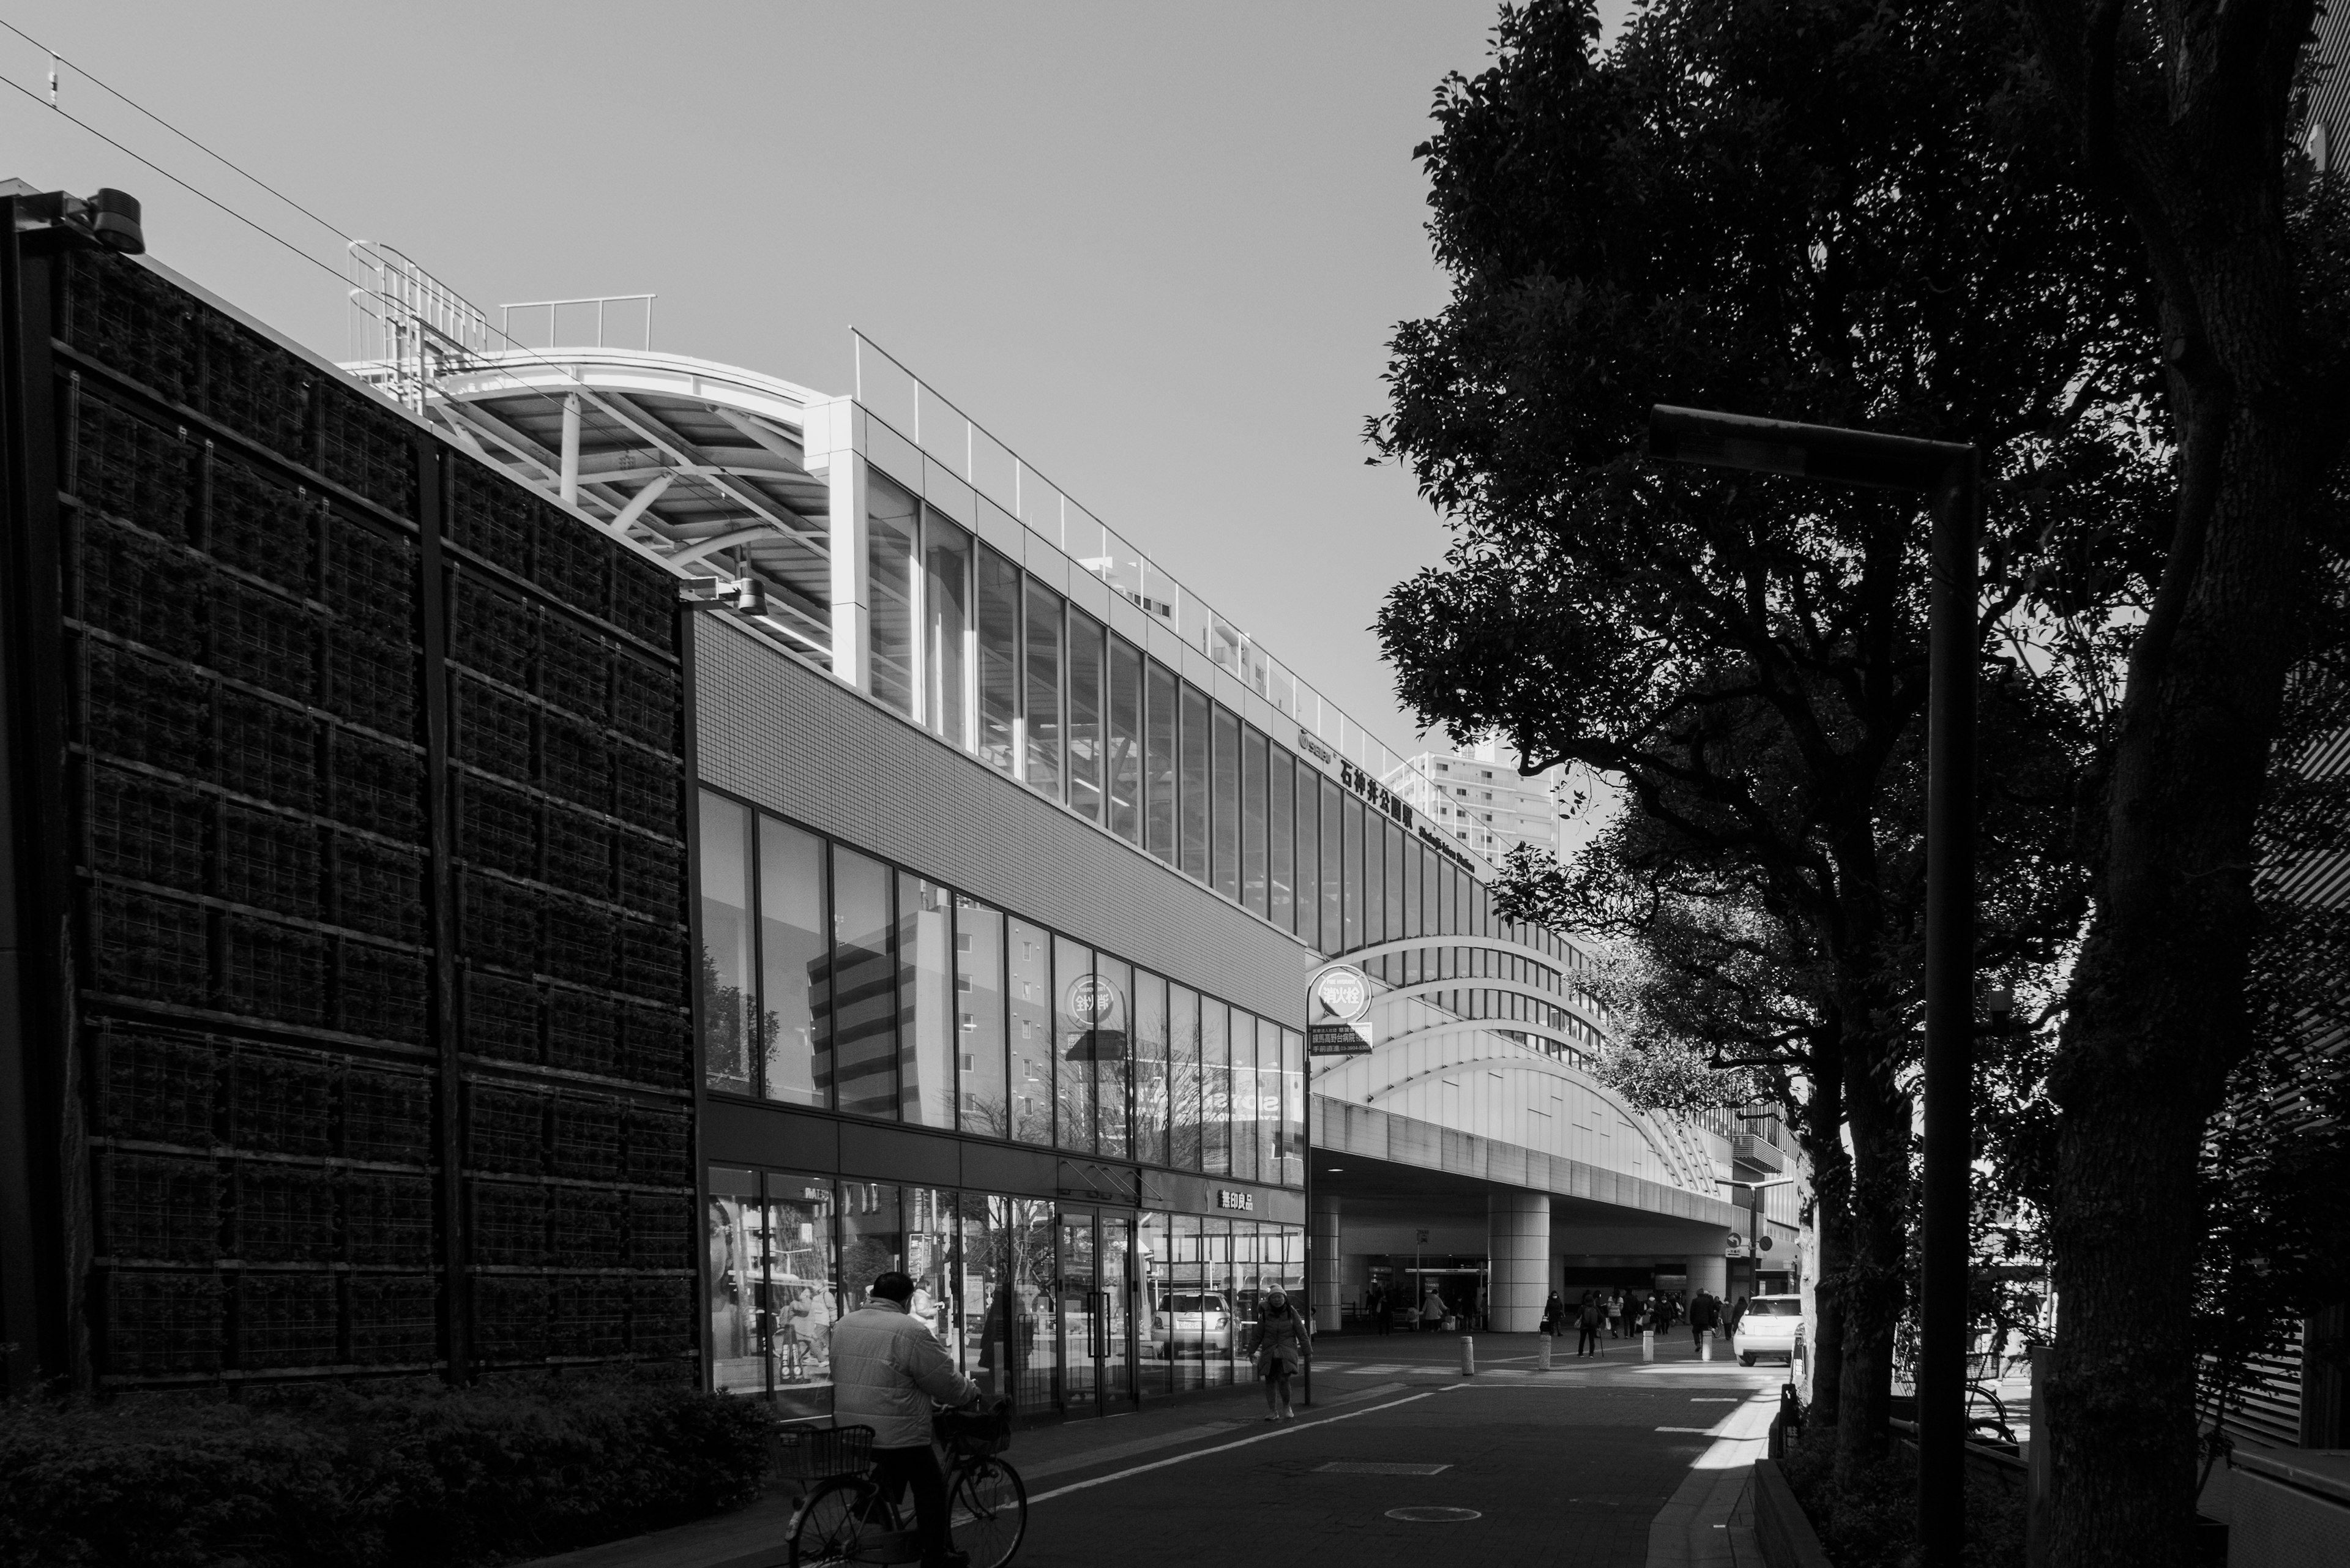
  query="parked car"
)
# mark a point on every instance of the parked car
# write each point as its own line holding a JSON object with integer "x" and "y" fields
{"x": 1192, "y": 1322}
{"x": 1773, "y": 1326}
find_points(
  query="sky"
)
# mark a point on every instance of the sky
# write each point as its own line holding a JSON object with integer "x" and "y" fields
{"x": 1157, "y": 251}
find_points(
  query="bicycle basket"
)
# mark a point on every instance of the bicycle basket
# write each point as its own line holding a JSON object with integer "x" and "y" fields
{"x": 812, "y": 1453}
{"x": 976, "y": 1432}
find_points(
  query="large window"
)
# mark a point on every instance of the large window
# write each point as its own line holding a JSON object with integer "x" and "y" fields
{"x": 1334, "y": 875}
{"x": 1353, "y": 858}
{"x": 1125, "y": 759}
{"x": 1153, "y": 1101}
{"x": 893, "y": 518}
{"x": 926, "y": 1010}
{"x": 998, "y": 599}
{"x": 865, "y": 986}
{"x": 979, "y": 999}
{"x": 1225, "y": 831}
{"x": 1193, "y": 792}
{"x": 1158, "y": 760}
{"x": 1183, "y": 1078}
{"x": 1392, "y": 927}
{"x": 1113, "y": 1058}
{"x": 1309, "y": 857}
{"x": 1253, "y": 855}
{"x": 727, "y": 993}
{"x": 1030, "y": 952}
{"x": 946, "y": 609}
{"x": 795, "y": 964}
{"x": 1088, "y": 718}
{"x": 1042, "y": 685}
{"x": 1242, "y": 1099}
{"x": 1215, "y": 1088}
{"x": 1281, "y": 840}
{"x": 1074, "y": 1008}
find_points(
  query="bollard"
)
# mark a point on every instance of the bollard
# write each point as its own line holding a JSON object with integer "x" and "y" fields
{"x": 1468, "y": 1356}
{"x": 1705, "y": 1346}
{"x": 1648, "y": 1344}
{"x": 1542, "y": 1354}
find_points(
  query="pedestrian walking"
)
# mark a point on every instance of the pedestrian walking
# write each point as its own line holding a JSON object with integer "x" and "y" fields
{"x": 1375, "y": 1302}
{"x": 1614, "y": 1308}
{"x": 1586, "y": 1337}
{"x": 1432, "y": 1311}
{"x": 1553, "y": 1313}
{"x": 1703, "y": 1316}
{"x": 1281, "y": 1342}
{"x": 1737, "y": 1315}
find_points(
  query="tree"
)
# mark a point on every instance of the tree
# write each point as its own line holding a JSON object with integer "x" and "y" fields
{"x": 1832, "y": 211}
{"x": 2184, "y": 113}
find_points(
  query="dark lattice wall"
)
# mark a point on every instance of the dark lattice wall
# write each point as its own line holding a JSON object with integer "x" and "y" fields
{"x": 376, "y": 1072}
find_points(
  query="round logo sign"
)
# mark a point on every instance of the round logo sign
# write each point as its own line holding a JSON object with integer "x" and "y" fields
{"x": 1095, "y": 1002}
{"x": 1341, "y": 995}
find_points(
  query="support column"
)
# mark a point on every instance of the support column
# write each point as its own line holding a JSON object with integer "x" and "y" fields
{"x": 567, "y": 481}
{"x": 1707, "y": 1271}
{"x": 1517, "y": 1244}
{"x": 1324, "y": 1263}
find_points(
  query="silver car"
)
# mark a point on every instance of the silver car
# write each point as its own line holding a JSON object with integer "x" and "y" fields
{"x": 1192, "y": 1322}
{"x": 1773, "y": 1326}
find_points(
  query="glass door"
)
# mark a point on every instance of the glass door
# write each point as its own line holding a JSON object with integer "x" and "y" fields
{"x": 1082, "y": 1321}
{"x": 1120, "y": 1310}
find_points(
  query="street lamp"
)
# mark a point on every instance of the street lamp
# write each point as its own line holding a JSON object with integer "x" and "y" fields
{"x": 1949, "y": 474}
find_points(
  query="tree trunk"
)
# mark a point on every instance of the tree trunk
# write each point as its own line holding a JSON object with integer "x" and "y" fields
{"x": 1871, "y": 1291}
{"x": 1821, "y": 1135}
{"x": 2156, "y": 1013}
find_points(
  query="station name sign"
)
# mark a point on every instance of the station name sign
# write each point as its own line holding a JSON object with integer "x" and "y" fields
{"x": 1436, "y": 841}
{"x": 1377, "y": 794}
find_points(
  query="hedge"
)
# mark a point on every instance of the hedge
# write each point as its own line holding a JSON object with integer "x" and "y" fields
{"x": 460, "y": 1476}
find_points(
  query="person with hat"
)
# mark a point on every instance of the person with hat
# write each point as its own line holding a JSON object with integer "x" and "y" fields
{"x": 887, "y": 1367}
{"x": 1281, "y": 1345}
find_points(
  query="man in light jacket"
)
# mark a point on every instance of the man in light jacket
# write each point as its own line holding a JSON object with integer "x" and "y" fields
{"x": 887, "y": 1367}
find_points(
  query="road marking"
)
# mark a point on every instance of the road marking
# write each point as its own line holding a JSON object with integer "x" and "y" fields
{"x": 1700, "y": 1431}
{"x": 1284, "y": 1432}
{"x": 1376, "y": 1468}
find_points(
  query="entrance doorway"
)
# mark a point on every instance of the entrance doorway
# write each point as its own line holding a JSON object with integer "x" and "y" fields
{"x": 1097, "y": 1313}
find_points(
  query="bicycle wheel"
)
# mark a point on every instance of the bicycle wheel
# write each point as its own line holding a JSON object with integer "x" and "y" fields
{"x": 990, "y": 1511}
{"x": 826, "y": 1524}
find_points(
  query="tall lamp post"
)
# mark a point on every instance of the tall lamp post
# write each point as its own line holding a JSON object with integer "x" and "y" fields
{"x": 1949, "y": 474}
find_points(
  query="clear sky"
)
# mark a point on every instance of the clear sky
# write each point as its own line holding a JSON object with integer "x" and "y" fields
{"x": 1156, "y": 249}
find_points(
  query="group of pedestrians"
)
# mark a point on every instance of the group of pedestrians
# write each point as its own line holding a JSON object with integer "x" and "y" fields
{"x": 1602, "y": 1313}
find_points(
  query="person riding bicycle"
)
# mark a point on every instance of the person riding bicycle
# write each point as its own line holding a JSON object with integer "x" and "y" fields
{"x": 887, "y": 1367}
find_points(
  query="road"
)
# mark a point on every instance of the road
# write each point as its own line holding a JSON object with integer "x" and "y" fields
{"x": 1574, "y": 1464}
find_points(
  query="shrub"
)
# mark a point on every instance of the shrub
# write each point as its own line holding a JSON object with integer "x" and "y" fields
{"x": 319, "y": 1474}
{"x": 1874, "y": 1524}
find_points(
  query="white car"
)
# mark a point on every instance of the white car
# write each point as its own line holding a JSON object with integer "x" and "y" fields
{"x": 1192, "y": 1322}
{"x": 1773, "y": 1326}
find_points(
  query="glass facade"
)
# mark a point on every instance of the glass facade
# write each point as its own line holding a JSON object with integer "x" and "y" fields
{"x": 1066, "y": 1308}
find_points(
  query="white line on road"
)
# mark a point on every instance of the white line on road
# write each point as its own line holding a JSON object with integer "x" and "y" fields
{"x": 1225, "y": 1448}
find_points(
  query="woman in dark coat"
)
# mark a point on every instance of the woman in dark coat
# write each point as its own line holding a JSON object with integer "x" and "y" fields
{"x": 1554, "y": 1310}
{"x": 1281, "y": 1345}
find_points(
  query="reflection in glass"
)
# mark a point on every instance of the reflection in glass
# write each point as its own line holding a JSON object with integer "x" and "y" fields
{"x": 1151, "y": 1100}
{"x": 1215, "y": 1089}
{"x": 795, "y": 978}
{"x": 979, "y": 1002}
{"x": 1077, "y": 1001}
{"x": 732, "y": 1232}
{"x": 872, "y": 1236}
{"x": 1281, "y": 840}
{"x": 1333, "y": 878}
{"x": 891, "y": 518}
{"x": 1114, "y": 1303}
{"x": 925, "y": 1004}
{"x": 1253, "y": 820}
{"x": 1080, "y": 1300}
{"x": 1007, "y": 1307}
{"x": 946, "y": 604}
{"x": 1225, "y": 831}
{"x": 1125, "y": 759}
{"x": 1191, "y": 798}
{"x": 1113, "y": 1054}
{"x": 725, "y": 943}
{"x": 1292, "y": 1108}
{"x": 1353, "y": 820}
{"x": 998, "y": 597}
{"x": 1154, "y": 1257}
{"x": 804, "y": 1292}
{"x": 1043, "y": 687}
{"x": 1242, "y": 1102}
{"x": 1030, "y": 954}
{"x": 1183, "y": 1077}
{"x": 1309, "y": 857}
{"x": 1269, "y": 1142}
{"x": 864, "y": 982}
{"x": 1158, "y": 760}
{"x": 1391, "y": 926}
{"x": 1088, "y": 721}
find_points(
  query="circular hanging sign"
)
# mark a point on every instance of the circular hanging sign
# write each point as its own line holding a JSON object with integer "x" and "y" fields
{"x": 1342, "y": 995}
{"x": 1095, "y": 1003}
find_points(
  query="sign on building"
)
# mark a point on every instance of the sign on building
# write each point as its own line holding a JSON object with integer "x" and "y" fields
{"x": 1338, "y": 1012}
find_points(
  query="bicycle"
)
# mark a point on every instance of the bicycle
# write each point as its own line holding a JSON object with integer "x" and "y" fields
{"x": 846, "y": 1519}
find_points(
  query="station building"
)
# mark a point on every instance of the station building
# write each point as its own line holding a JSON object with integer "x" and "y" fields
{"x": 989, "y": 863}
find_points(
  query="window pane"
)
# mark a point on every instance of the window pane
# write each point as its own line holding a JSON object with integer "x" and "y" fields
{"x": 872, "y": 1236}
{"x": 1243, "y": 1099}
{"x": 929, "y": 1259}
{"x": 725, "y": 944}
{"x": 1226, "y": 828}
{"x": 735, "y": 1234}
{"x": 999, "y": 660}
{"x": 979, "y": 1004}
{"x": 796, "y": 977}
{"x": 1192, "y": 797}
{"x": 891, "y": 517}
{"x": 1030, "y": 954}
{"x": 1125, "y": 740}
{"x": 1215, "y": 1089}
{"x": 1074, "y": 999}
{"x": 1088, "y": 737}
{"x": 1269, "y": 1140}
{"x": 1352, "y": 817}
{"x": 946, "y": 604}
{"x": 1007, "y": 1259}
{"x": 1281, "y": 839}
{"x": 1113, "y": 1054}
{"x": 1392, "y": 925}
{"x": 804, "y": 1273}
{"x": 1334, "y": 878}
{"x": 1309, "y": 855}
{"x": 926, "y": 1021}
{"x": 1043, "y": 686}
{"x": 1151, "y": 1101}
{"x": 1253, "y": 820}
{"x": 1158, "y": 760}
{"x": 864, "y": 981}
{"x": 1292, "y": 1108}
{"x": 1183, "y": 1077}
